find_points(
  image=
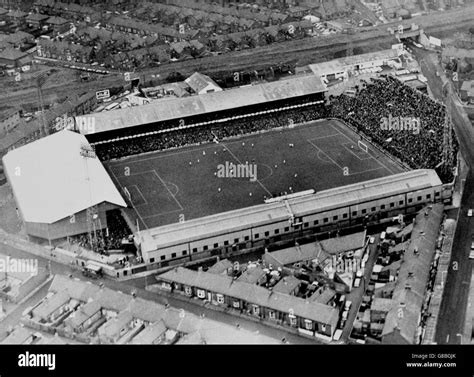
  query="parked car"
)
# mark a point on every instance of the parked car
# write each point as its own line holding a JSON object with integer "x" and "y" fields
{"x": 337, "y": 335}
{"x": 348, "y": 305}
{"x": 357, "y": 283}
{"x": 345, "y": 314}
{"x": 469, "y": 212}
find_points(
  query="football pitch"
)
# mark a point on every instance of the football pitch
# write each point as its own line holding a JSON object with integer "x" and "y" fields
{"x": 196, "y": 181}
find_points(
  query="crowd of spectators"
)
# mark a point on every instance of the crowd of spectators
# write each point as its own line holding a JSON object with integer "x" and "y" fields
{"x": 104, "y": 241}
{"x": 208, "y": 133}
{"x": 378, "y": 99}
{"x": 388, "y": 96}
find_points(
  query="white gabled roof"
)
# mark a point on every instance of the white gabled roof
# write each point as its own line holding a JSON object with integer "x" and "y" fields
{"x": 51, "y": 180}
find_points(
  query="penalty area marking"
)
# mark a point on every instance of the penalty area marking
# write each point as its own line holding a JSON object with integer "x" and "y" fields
{"x": 335, "y": 127}
{"x": 139, "y": 191}
{"x": 134, "y": 208}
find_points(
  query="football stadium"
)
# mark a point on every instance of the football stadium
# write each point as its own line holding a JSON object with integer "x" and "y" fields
{"x": 214, "y": 173}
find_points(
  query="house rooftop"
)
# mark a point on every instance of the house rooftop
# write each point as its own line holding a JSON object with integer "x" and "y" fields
{"x": 252, "y": 275}
{"x": 295, "y": 254}
{"x": 343, "y": 244}
{"x": 323, "y": 297}
{"x": 252, "y": 293}
{"x": 56, "y": 21}
{"x": 150, "y": 333}
{"x": 287, "y": 285}
{"x": 18, "y": 336}
{"x": 113, "y": 326}
{"x": 81, "y": 315}
{"x": 413, "y": 276}
{"x": 220, "y": 267}
{"x": 51, "y": 304}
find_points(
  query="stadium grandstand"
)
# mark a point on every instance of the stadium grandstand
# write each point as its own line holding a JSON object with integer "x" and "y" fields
{"x": 199, "y": 110}
{"x": 61, "y": 189}
{"x": 219, "y": 116}
{"x": 337, "y": 68}
{"x": 361, "y": 203}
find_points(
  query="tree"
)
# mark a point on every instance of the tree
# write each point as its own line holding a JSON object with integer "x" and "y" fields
{"x": 174, "y": 77}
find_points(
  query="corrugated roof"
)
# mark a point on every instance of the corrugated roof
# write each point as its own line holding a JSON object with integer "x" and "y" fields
{"x": 246, "y": 218}
{"x": 51, "y": 180}
{"x": 176, "y": 108}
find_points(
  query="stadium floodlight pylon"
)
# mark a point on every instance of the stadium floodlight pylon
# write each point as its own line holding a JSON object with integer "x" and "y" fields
{"x": 93, "y": 219}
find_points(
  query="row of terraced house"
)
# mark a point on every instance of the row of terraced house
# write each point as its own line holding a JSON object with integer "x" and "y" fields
{"x": 305, "y": 317}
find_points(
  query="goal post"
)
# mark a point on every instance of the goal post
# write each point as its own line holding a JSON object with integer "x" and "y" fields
{"x": 363, "y": 146}
{"x": 127, "y": 194}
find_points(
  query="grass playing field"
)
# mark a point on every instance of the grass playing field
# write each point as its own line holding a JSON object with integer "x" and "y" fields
{"x": 165, "y": 187}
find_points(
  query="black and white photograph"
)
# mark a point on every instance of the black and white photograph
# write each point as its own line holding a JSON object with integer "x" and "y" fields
{"x": 286, "y": 181}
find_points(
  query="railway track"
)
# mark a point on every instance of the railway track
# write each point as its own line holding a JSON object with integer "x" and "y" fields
{"x": 296, "y": 52}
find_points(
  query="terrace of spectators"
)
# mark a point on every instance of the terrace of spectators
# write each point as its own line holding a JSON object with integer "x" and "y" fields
{"x": 108, "y": 123}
